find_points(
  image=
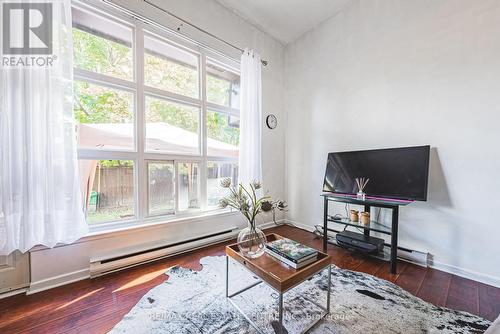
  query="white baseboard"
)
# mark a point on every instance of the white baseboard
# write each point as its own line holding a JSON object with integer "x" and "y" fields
{"x": 82, "y": 274}
{"x": 13, "y": 292}
{"x": 466, "y": 273}
{"x": 132, "y": 257}
{"x": 304, "y": 227}
{"x": 288, "y": 222}
{"x": 269, "y": 225}
{"x": 56, "y": 281}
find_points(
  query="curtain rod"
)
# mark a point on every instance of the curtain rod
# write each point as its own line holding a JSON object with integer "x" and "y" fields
{"x": 264, "y": 62}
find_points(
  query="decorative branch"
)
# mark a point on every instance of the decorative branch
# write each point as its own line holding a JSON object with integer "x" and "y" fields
{"x": 244, "y": 200}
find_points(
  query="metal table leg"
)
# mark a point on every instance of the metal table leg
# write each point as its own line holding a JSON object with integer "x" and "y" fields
{"x": 280, "y": 313}
{"x": 227, "y": 276}
{"x": 325, "y": 309}
{"x": 281, "y": 329}
{"x": 329, "y": 288}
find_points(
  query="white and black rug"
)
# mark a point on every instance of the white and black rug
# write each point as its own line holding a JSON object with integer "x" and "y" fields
{"x": 194, "y": 302}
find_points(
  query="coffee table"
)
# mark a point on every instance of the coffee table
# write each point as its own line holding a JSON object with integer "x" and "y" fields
{"x": 279, "y": 277}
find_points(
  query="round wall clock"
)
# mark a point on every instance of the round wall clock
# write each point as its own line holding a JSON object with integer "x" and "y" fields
{"x": 271, "y": 121}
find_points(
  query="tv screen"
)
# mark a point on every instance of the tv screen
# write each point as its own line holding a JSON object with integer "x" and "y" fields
{"x": 399, "y": 173}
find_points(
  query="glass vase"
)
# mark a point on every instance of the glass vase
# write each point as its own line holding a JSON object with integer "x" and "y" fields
{"x": 252, "y": 242}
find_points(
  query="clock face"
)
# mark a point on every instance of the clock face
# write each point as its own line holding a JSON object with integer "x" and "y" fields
{"x": 271, "y": 121}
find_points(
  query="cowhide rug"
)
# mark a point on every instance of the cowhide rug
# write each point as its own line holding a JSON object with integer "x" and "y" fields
{"x": 194, "y": 302}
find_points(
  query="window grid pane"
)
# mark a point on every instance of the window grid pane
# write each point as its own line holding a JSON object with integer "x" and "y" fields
{"x": 223, "y": 132}
{"x": 161, "y": 191}
{"x": 223, "y": 86}
{"x": 101, "y": 45}
{"x": 108, "y": 189}
{"x": 217, "y": 171}
{"x": 171, "y": 127}
{"x": 189, "y": 186}
{"x": 169, "y": 68}
{"x": 105, "y": 118}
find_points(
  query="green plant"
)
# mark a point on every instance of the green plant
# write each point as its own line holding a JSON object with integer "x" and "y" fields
{"x": 94, "y": 104}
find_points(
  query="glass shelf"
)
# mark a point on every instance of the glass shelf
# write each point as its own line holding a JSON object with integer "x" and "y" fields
{"x": 373, "y": 226}
{"x": 370, "y": 201}
{"x": 384, "y": 255}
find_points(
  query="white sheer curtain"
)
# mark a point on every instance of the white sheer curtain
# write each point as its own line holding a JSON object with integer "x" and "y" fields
{"x": 250, "y": 164}
{"x": 39, "y": 186}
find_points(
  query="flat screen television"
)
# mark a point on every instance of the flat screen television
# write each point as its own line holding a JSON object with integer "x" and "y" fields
{"x": 398, "y": 173}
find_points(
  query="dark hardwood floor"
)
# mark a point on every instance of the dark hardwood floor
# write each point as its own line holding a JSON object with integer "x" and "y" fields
{"x": 95, "y": 306}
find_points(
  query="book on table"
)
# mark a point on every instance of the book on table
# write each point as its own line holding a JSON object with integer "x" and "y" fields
{"x": 290, "y": 263}
{"x": 291, "y": 252}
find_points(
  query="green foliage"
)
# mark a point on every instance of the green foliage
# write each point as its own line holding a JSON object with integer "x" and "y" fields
{"x": 218, "y": 90}
{"x": 187, "y": 168}
{"x": 116, "y": 163}
{"x": 109, "y": 214}
{"x": 159, "y": 166}
{"x": 96, "y": 104}
{"x": 171, "y": 76}
{"x": 218, "y": 128}
{"x": 101, "y": 55}
{"x": 175, "y": 114}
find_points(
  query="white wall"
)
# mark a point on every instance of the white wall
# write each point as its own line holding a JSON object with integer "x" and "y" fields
{"x": 51, "y": 267}
{"x": 388, "y": 73}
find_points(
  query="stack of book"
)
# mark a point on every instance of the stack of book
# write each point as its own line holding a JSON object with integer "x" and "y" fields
{"x": 291, "y": 252}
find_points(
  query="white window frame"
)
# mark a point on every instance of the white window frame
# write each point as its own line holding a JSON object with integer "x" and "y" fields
{"x": 174, "y": 177}
{"x": 218, "y": 160}
{"x": 139, "y": 155}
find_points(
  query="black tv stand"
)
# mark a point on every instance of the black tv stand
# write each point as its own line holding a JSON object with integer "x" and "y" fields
{"x": 373, "y": 226}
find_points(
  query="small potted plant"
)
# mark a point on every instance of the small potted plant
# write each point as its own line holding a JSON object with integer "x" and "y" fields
{"x": 251, "y": 240}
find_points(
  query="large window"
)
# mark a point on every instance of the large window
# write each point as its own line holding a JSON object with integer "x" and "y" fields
{"x": 157, "y": 119}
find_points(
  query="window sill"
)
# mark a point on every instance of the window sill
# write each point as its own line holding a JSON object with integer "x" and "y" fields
{"x": 114, "y": 229}
{"x": 153, "y": 222}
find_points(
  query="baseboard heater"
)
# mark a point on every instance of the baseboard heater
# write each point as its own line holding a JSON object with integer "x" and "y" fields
{"x": 406, "y": 254}
{"x": 130, "y": 258}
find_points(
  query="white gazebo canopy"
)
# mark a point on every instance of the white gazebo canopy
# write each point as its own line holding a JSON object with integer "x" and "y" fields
{"x": 161, "y": 137}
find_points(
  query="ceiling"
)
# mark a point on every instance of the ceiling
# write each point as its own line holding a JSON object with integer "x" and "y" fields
{"x": 285, "y": 20}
